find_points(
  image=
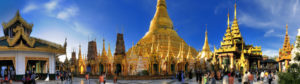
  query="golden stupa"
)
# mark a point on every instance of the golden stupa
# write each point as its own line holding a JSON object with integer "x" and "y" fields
{"x": 161, "y": 28}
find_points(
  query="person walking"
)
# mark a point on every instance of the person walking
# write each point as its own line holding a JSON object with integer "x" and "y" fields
{"x": 270, "y": 78}
{"x": 182, "y": 76}
{"x": 245, "y": 78}
{"x": 225, "y": 78}
{"x": 190, "y": 74}
{"x": 250, "y": 78}
{"x": 205, "y": 79}
{"x": 200, "y": 76}
{"x": 197, "y": 76}
{"x": 33, "y": 76}
{"x": 115, "y": 79}
{"x": 212, "y": 78}
{"x": 101, "y": 81}
{"x": 231, "y": 79}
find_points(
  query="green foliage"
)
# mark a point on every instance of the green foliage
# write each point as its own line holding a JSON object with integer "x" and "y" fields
{"x": 289, "y": 77}
{"x": 297, "y": 56}
{"x": 298, "y": 39}
{"x": 292, "y": 76}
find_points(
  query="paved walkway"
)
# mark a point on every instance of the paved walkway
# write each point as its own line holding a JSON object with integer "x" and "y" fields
{"x": 95, "y": 81}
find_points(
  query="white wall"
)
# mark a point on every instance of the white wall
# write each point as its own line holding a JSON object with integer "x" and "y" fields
{"x": 20, "y": 59}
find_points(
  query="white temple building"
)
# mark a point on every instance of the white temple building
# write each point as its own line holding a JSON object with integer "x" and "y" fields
{"x": 21, "y": 53}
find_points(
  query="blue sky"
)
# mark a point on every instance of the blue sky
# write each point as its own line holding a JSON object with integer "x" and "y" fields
{"x": 261, "y": 22}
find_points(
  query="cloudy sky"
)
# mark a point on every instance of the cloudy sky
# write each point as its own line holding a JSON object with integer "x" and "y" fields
{"x": 262, "y": 22}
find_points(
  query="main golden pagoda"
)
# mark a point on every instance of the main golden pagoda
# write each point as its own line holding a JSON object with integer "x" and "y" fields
{"x": 285, "y": 53}
{"x": 234, "y": 54}
{"x": 156, "y": 41}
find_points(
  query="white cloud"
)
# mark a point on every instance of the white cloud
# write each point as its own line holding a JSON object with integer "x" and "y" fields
{"x": 75, "y": 31}
{"x": 51, "y": 5}
{"x": 270, "y": 52}
{"x": 271, "y": 14}
{"x": 29, "y": 7}
{"x": 67, "y": 13}
{"x": 295, "y": 6}
{"x": 79, "y": 28}
{"x": 271, "y": 33}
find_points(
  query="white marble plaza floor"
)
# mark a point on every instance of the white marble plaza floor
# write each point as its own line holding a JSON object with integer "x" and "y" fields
{"x": 95, "y": 81}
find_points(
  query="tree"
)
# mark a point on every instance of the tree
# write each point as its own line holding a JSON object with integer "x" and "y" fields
{"x": 292, "y": 76}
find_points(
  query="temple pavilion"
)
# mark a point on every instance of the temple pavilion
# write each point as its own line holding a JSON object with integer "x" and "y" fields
{"x": 285, "y": 53}
{"x": 21, "y": 53}
{"x": 234, "y": 54}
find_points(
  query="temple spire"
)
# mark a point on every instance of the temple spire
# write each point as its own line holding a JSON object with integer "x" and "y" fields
{"x": 132, "y": 50}
{"x": 161, "y": 19}
{"x": 235, "y": 11}
{"x": 286, "y": 44}
{"x": 103, "y": 49}
{"x": 79, "y": 53}
{"x": 228, "y": 21}
{"x": 206, "y": 45}
{"x": 286, "y": 27}
{"x": 235, "y": 26}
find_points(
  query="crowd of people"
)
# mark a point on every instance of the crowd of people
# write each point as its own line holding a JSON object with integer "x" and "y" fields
{"x": 229, "y": 77}
{"x": 7, "y": 75}
{"x": 30, "y": 77}
{"x": 64, "y": 75}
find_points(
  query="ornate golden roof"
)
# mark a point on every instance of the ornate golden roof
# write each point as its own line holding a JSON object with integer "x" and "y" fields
{"x": 227, "y": 39}
{"x": 235, "y": 26}
{"x": 21, "y": 40}
{"x": 15, "y": 19}
{"x": 285, "y": 51}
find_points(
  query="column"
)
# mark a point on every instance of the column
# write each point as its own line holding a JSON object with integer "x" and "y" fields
{"x": 220, "y": 60}
{"x": 231, "y": 62}
{"x": 258, "y": 64}
{"x": 286, "y": 64}
{"x": 279, "y": 63}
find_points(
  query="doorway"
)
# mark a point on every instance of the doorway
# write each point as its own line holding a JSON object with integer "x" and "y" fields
{"x": 36, "y": 66}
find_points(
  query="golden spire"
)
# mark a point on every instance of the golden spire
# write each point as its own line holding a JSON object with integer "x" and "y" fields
{"x": 189, "y": 54}
{"x": 103, "y": 49}
{"x": 206, "y": 45}
{"x": 161, "y": 18}
{"x": 228, "y": 22}
{"x": 79, "y": 53}
{"x": 235, "y": 11}
{"x": 235, "y": 26}
{"x": 109, "y": 52}
{"x": 286, "y": 27}
{"x": 286, "y": 44}
{"x": 169, "y": 48}
{"x": 132, "y": 50}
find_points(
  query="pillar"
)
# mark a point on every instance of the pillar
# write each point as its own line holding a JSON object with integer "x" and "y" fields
{"x": 220, "y": 60}
{"x": 279, "y": 63}
{"x": 258, "y": 64}
{"x": 286, "y": 65}
{"x": 231, "y": 62}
